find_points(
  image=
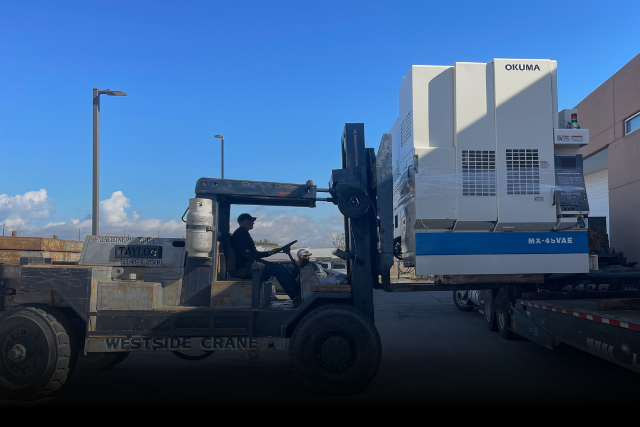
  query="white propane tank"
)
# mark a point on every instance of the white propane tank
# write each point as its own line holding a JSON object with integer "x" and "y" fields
{"x": 199, "y": 228}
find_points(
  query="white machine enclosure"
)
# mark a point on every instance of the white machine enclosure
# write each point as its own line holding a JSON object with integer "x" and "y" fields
{"x": 474, "y": 157}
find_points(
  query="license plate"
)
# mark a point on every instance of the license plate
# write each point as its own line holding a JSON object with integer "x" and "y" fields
{"x": 139, "y": 251}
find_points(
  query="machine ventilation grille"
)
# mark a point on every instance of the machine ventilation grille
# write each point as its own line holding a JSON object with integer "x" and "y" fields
{"x": 523, "y": 171}
{"x": 405, "y": 129}
{"x": 478, "y": 173}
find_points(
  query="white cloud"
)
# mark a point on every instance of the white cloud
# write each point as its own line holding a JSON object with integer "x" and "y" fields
{"x": 28, "y": 213}
{"x": 25, "y": 213}
{"x": 112, "y": 209}
{"x": 17, "y": 211}
{"x": 282, "y": 229}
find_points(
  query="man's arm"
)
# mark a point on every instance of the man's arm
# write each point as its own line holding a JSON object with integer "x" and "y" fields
{"x": 249, "y": 251}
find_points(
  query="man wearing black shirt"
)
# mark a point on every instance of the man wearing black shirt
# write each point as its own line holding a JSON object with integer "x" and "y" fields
{"x": 246, "y": 253}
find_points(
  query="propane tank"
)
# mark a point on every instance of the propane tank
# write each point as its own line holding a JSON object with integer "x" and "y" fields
{"x": 199, "y": 228}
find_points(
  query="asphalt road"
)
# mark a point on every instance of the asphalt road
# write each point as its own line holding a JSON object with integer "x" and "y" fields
{"x": 433, "y": 355}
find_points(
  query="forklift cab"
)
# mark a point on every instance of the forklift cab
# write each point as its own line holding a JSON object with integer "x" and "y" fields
{"x": 362, "y": 190}
{"x": 234, "y": 287}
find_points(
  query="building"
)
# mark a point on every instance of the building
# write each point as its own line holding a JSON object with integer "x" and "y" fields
{"x": 611, "y": 160}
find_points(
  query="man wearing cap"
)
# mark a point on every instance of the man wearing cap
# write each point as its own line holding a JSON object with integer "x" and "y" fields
{"x": 304, "y": 257}
{"x": 246, "y": 253}
{"x": 306, "y": 274}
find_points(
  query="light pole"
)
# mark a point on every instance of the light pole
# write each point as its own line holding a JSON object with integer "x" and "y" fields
{"x": 222, "y": 142}
{"x": 95, "y": 210}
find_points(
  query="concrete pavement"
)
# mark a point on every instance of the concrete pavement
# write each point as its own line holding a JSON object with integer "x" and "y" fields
{"x": 433, "y": 354}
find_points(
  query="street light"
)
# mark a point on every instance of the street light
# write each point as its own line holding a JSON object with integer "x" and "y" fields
{"x": 222, "y": 138}
{"x": 95, "y": 211}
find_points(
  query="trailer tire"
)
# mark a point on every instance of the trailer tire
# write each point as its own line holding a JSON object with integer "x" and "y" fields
{"x": 460, "y": 303}
{"x": 489, "y": 312}
{"x": 335, "y": 350}
{"x": 94, "y": 361}
{"x": 36, "y": 352}
{"x": 503, "y": 325}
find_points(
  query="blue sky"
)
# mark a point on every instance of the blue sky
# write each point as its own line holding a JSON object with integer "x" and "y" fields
{"x": 277, "y": 78}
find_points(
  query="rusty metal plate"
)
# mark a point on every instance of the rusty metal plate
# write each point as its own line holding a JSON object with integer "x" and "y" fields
{"x": 232, "y": 294}
{"x": 128, "y": 295}
{"x": 40, "y": 244}
{"x": 13, "y": 256}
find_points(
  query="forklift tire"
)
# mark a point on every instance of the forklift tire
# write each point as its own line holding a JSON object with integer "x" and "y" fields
{"x": 335, "y": 350}
{"x": 503, "y": 321}
{"x": 191, "y": 356}
{"x": 461, "y": 304}
{"x": 36, "y": 352}
{"x": 93, "y": 361}
{"x": 489, "y": 312}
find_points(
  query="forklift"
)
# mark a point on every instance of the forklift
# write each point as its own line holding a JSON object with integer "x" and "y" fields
{"x": 187, "y": 296}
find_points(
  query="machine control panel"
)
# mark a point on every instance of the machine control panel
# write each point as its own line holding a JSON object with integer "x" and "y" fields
{"x": 570, "y": 186}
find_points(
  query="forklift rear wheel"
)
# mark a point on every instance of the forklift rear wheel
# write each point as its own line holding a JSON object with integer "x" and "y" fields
{"x": 489, "y": 312}
{"x": 36, "y": 352}
{"x": 461, "y": 300}
{"x": 100, "y": 360}
{"x": 192, "y": 355}
{"x": 503, "y": 320}
{"x": 335, "y": 350}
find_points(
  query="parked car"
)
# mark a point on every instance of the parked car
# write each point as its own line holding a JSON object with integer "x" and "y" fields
{"x": 289, "y": 266}
{"x": 339, "y": 267}
{"x": 335, "y": 273}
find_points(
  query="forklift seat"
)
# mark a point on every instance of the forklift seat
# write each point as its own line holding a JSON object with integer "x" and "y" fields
{"x": 230, "y": 259}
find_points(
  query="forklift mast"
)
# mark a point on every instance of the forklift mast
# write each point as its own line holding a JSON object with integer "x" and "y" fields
{"x": 362, "y": 190}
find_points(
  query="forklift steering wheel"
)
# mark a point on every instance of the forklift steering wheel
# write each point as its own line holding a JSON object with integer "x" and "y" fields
{"x": 286, "y": 248}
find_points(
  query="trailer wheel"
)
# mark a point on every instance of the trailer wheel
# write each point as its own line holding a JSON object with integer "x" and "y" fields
{"x": 461, "y": 300}
{"x": 36, "y": 352}
{"x": 93, "y": 361}
{"x": 489, "y": 312}
{"x": 503, "y": 320}
{"x": 335, "y": 350}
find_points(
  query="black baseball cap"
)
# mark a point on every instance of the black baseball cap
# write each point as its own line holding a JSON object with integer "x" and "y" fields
{"x": 244, "y": 216}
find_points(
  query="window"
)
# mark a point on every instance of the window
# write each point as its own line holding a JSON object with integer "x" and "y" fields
{"x": 405, "y": 129}
{"x": 631, "y": 124}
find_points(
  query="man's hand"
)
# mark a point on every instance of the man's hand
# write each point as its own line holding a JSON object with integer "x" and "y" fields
{"x": 273, "y": 251}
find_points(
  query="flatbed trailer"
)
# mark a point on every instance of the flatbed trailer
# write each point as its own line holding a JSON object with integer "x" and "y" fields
{"x": 608, "y": 328}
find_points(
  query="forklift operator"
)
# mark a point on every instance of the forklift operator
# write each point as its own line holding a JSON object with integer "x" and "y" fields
{"x": 246, "y": 253}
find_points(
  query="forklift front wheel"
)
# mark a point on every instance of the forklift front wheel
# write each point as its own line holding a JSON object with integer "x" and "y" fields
{"x": 94, "y": 361}
{"x": 335, "y": 350}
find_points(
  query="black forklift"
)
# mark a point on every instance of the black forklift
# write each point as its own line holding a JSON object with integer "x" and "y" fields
{"x": 146, "y": 294}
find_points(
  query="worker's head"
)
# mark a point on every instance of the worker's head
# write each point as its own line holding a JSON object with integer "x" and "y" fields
{"x": 304, "y": 256}
{"x": 246, "y": 221}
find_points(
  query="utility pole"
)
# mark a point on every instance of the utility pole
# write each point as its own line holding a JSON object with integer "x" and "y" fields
{"x": 95, "y": 205}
